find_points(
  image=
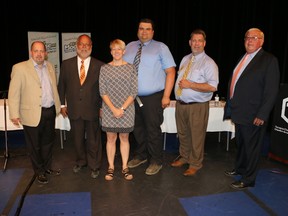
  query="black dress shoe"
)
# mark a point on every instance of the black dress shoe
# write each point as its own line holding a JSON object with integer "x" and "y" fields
{"x": 42, "y": 179}
{"x": 231, "y": 173}
{"x": 239, "y": 185}
{"x": 95, "y": 173}
{"x": 77, "y": 168}
{"x": 53, "y": 172}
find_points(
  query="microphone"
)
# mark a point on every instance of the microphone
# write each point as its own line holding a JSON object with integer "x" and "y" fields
{"x": 139, "y": 101}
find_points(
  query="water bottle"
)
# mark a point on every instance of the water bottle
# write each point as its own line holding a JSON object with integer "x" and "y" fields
{"x": 216, "y": 100}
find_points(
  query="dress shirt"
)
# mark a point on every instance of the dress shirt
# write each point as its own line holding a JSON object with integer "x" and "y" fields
{"x": 86, "y": 64}
{"x": 155, "y": 58}
{"x": 47, "y": 95}
{"x": 251, "y": 56}
{"x": 203, "y": 70}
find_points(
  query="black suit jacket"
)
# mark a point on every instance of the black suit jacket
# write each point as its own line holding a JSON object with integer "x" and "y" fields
{"x": 82, "y": 101}
{"x": 255, "y": 91}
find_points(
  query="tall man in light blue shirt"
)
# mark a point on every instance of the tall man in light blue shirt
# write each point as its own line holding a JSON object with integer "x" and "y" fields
{"x": 192, "y": 107}
{"x": 156, "y": 76}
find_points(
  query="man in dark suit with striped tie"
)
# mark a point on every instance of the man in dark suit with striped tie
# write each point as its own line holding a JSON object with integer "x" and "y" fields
{"x": 81, "y": 103}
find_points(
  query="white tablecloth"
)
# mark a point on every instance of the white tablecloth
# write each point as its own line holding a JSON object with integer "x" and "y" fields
{"x": 60, "y": 122}
{"x": 215, "y": 120}
{"x": 10, "y": 125}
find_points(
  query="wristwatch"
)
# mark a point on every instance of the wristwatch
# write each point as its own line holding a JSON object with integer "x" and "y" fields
{"x": 123, "y": 109}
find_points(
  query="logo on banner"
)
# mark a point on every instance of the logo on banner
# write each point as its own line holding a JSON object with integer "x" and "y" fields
{"x": 70, "y": 47}
{"x": 50, "y": 47}
{"x": 284, "y": 112}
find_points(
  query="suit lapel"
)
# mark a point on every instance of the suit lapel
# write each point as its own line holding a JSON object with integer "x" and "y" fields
{"x": 252, "y": 63}
{"x": 32, "y": 71}
{"x": 90, "y": 69}
{"x": 50, "y": 74}
{"x": 89, "y": 73}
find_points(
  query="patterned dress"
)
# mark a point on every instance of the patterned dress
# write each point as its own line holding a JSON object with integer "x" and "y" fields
{"x": 118, "y": 82}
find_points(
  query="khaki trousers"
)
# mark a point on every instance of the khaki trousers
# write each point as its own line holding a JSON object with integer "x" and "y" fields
{"x": 191, "y": 121}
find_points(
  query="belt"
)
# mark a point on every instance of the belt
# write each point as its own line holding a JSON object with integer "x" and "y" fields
{"x": 184, "y": 103}
{"x": 47, "y": 108}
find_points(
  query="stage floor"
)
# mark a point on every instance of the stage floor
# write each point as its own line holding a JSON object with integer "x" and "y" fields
{"x": 166, "y": 193}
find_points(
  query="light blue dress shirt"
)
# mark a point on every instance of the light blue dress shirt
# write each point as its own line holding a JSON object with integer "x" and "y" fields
{"x": 155, "y": 58}
{"x": 47, "y": 95}
{"x": 203, "y": 70}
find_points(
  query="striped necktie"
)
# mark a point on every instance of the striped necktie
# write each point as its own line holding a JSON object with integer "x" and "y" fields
{"x": 136, "y": 61}
{"x": 82, "y": 73}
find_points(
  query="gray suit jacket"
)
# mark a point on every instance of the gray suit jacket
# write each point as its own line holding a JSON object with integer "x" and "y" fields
{"x": 82, "y": 101}
{"x": 25, "y": 93}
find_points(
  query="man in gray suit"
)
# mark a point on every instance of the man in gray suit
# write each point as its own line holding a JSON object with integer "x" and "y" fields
{"x": 250, "y": 101}
{"x": 34, "y": 102}
{"x": 81, "y": 101}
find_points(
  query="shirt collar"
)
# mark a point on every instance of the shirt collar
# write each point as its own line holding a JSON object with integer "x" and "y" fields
{"x": 146, "y": 43}
{"x": 36, "y": 65}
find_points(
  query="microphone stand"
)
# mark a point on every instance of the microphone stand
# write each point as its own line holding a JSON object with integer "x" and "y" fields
{"x": 6, "y": 153}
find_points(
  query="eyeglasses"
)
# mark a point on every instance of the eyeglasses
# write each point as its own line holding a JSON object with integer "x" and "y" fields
{"x": 84, "y": 44}
{"x": 252, "y": 38}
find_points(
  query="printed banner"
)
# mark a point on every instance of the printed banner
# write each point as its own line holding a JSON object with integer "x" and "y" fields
{"x": 51, "y": 40}
{"x": 279, "y": 134}
{"x": 69, "y": 44}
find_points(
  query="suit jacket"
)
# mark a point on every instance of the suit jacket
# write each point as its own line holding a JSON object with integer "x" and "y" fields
{"x": 255, "y": 91}
{"x": 25, "y": 93}
{"x": 82, "y": 101}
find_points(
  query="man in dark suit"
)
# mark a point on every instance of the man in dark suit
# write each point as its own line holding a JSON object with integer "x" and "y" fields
{"x": 80, "y": 101}
{"x": 250, "y": 101}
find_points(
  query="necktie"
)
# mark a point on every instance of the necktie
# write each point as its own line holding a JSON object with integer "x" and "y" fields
{"x": 187, "y": 70}
{"x": 82, "y": 72}
{"x": 136, "y": 61}
{"x": 235, "y": 74}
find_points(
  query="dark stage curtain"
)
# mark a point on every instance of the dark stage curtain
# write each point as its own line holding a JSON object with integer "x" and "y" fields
{"x": 225, "y": 23}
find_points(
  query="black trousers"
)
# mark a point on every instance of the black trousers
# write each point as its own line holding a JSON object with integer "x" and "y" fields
{"x": 40, "y": 140}
{"x": 249, "y": 140}
{"x": 86, "y": 136}
{"x": 147, "y": 132}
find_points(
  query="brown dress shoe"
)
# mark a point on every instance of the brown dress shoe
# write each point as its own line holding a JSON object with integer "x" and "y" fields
{"x": 177, "y": 163}
{"x": 190, "y": 172}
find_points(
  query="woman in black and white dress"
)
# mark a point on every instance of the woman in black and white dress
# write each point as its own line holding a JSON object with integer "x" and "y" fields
{"x": 118, "y": 89}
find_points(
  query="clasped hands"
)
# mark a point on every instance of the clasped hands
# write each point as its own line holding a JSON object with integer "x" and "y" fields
{"x": 118, "y": 112}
